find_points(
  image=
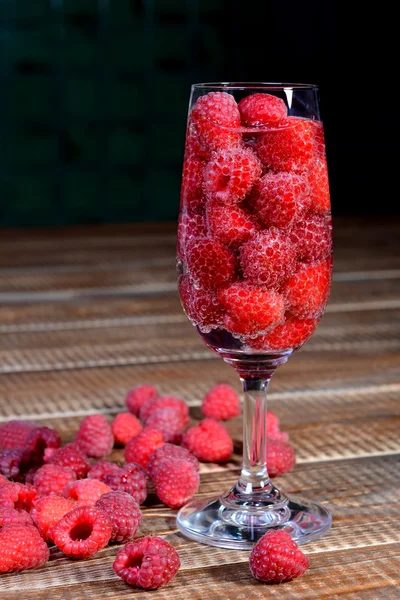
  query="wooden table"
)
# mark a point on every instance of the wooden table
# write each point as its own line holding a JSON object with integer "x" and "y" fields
{"x": 87, "y": 313}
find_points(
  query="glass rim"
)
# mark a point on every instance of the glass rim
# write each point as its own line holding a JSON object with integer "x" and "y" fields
{"x": 254, "y": 85}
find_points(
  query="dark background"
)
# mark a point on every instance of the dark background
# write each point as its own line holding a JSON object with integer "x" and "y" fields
{"x": 94, "y": 97}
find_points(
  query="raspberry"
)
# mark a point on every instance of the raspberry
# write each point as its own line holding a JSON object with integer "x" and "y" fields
{"x": 214, "y": 121}
{"x": 291, "y": 334}
{"x": 141, "y": 447}
{"x": 273, "y": 428}
{"x": 152, "y": 406}
{"x": 281, "y": 457}
{"x": 71, "y": 456}
{"x": 130, "y": 479}
{"x": 192, "y": 184}
{"x": 268, "y": 259}
{"x": 230, "y": 174}
{"x": 319, "y": 136}
{"x": 261, "y": 109}
{"x": 124, "y": 513}
{"x": 18, "y": 496}
{"x": 148, "y": 563}
{"x": 170, "y": 422}
{"x": 319, "y": 187}
{"x": 41, "y": 439}
{"x": 86, "y": 491}
{"x": 279, "y": 198}
{"x": 276, "y": 558}
{"x": 3, "y": 479}
{"x": 209, "y": 263}
{"x": 138, "y": 396}
{"x": 52, "y": 479}
{"x": 194, "y": 145}
{"x": 307, "y": 290}
{"x": 170, "y": 452}
{"x": 48, "y": 511}
{"x": 221, "y": 403}
{"x": 251, "y": 309}
{"x": 311, "y": 236}
{"x": 209, "y": 441}
{"x": 94, "y": 436}
{"x": 189, "y": 228}
{"x": 201, "y": 305}
{"x": 124, "y": 427}
{"x": 175, "y": 482}
{"x": 229, "y": 225}
{"x": 21, "y": 547}
{"x": 14, "y": 462}
{"x": 82, "y": 532}
{"x": 10, "y": 516}
{"x": 291, "y": 147}
{"x": 15, "y": 434}
{"x": 101, "y": 468}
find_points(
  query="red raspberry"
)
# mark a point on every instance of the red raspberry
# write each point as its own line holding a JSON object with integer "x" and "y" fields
{"x": 201, "y": 305}
{"x": 141, "y": 447}
{"x": 192, "y": 184}
{"x": 52, "y": 479}
{"x": 94, "y": 436}
{"x": 148, "y": 563}
{"x": 279, "y": 198}
{"x": 290, "y": 147}
{"x": 162, "y": 402}
{"x": 194, "y": 145}
{"x": 14, "y": 463}
{"x": 276, "y": 558}
{"x": 18, "y": 496}
{"x": 230, "y": 174}
{"x": 319, "y": 187}
{"x": 251, "y": 309}
{"x": 292, "y": 333}
{"x": 229, "y": 225}
{"x": 124, "y": 513}
{"x": 175, "y": 482}
{"x": 124, "y": 427}
{"x": 215, "y": 121}
{"x": 138, "y": 396}
{"x": 48, "y": 511}
{"x": 281, "y": 457}
{"x": 86, "y": 491}
{"x": 319, "y": 136}
{"x": 307, "y": 290}
{"x": 130, "y": 479}
{"x": 209, "y": 441}
{"x": 209, "y": 263}
{"x": 170, "y": 422}
{"x": 15, "y": 434}
{"x": 170, "y": 452}
{"x": 3, "y": 479}
{"x": 261, "y": 109}
{"x": 221, "y": 403}
{"x": 273, "y": 428}
{"x": 100, "y": 469}
{"x": 70, "y": 456}
{"x": 42, "y": 438}
{"x": 311, "y": 236}
{"x": 10, "y": 516}
{"x": 268, "y": 259}
{"x": 21, "y": 547}
{"x": 190, "y": 227}
{"x": 82, "y": 532}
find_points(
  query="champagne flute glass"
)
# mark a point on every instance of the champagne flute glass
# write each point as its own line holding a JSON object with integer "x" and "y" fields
{"x": 254, "y": 262}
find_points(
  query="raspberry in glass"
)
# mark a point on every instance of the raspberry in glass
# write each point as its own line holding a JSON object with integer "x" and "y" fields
{"x": 189, "y": 227}
{"x": 124, "y": 513}
{"x": 201, "y": 305}
{"x": 124, "y": 427}
{"x": 192, "y": 184}
{"x": 52, "y": 479}
{"x": 170, "y": 452}
{"x": 215, "y": 122}
{"x": 261, "y": 109}
{"x": 209, "y": 441}
{"x": 21, "y": 548}
{"x": 71, "y": 456}
{"x": 86, "y": 492}
{"x": 291, "y": 334}
{"x": 130, "y": 479}
{"x": 141, "y": 447}
{"x": 94, "y": 436}
{"x": 319, "y": 187}
{"x": 276, "y": 558}
{"x": 48, "y": 511}
{"x": 307, "y": 290}
{"x": 138, "y": 396}
{"x": 230, "y": 225}
{"x": 82, "y": 532}
{"x": 209, "y": 263}
{"x": 311, "y": 237}
{"x": 175, "y": 481}
{"x": 222, "y": 402}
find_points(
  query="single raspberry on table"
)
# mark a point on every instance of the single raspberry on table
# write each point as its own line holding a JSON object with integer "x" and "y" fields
{"x": 307, "y": 290}
{"x": 86, "y": 491}
{"x": 201, "y": 305}
{"x": 175, "y": 481}
{"x": 124, "y": 427}
{"x": 222, "y": 402}
{"x": 170, "y": 422}
{"x": 101, "y": 468}
{"x": 14, "y": 463}
{"x": 141, "y": 447}
{"x": 15, "y": 434}
{"x": 319, "y": 187}
{"x": 21, "y": 547}
{"x": 18, "y": 496}
{"x": 130, "y": 479}
{"x": 209, "y": 441}
{"x": 209, "y": 263}
{"x": 10, "y": 516}
{"x": 124, "y": 513}
{"x": 148, "y": 563}
{"x": 138, "y": 396}
{"x": 52, "y": 479}
{"x": 276, "y": 558}
{"x": 41, "y": 439}
{"x": 192, "y": 184}
{"x": 170, "y": 452}
{"x": 94, "y": 436}
{"x": 48, "y": 511}
{"x": 291, "y": 334}
{"x": 152, "y": 406}
{"x": 311, "y": 237}
{"x": 251, "y": 309}
{"x": 82, "y": 532}
{"x": 281, "y": 457}
{"x": 230, "y": 174}
{"x": 71, "y": 456}
{"x": 215, "y": 121}
{"x": 190, "y": 227}
{"x": 268, "y": 259}
{"x": 261, "y": 109}
{"x": 229, "y": 225}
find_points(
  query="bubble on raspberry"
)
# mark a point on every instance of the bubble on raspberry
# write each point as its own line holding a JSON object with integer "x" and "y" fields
{"x": 200, "y": 304}
{"x": 209, "y": 263}
{"x": 261, "y": 109}
{"x": 230, "y": 225}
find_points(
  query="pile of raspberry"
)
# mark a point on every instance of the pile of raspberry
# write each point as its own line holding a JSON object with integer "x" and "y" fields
{"x": 75, "y": 498}
{"x": 254, "y": 235}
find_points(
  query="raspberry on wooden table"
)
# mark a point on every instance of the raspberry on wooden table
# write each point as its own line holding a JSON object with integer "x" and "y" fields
{"x": 261, "y": 109}
{"x": 71, "y": 456}
{"x": 175, "y": 481}
{"x": 147, "y": 563}
{"x": 15, "y": 434}
{"x": 291, "y": 334}
{"x": 86, "y": 491}
{"x": 276, "y": 558}
{"x": 307, "y": 290}
{"x": 82, "y": 532}
{"x": 230, "y": 225}
{"x": 141, "y": 447}
{"x": 170, "y": 422}
{"x": 209, "y": 441}
{"x": 311, "y": 237}
{"x": 48, "y": 511}
{"x": 10, "y": 516}
{"x": 40, "y": 439}
{"x": 171, "y": 452}
{"x": 161, "y": 402}
{"x": 52, "y": 479}
{"x": 18, "y": 496}
{"x": 209, "y": 263}
{"x": 138, "y": 396}
{"x": 273, "y": 428}
{"x": 222, "y": 402}
{"x": 21, "y": 547}
{"x": 125, "y": 515}
{"x": 215, "y": 121}
{"x": 319, "y": 187}
{"x": 94, "y": 436}
{"x": 124, "y": 427}
{"x": 14, "y": 463}
{"x": 101, "y": 468}
{"x": 281, "y": 457}
{"x": 130, "y": 479}
{"x": 200, "y": 304}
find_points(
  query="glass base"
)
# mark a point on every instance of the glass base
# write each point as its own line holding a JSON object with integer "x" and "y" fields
{"x": 213, "y": 522}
